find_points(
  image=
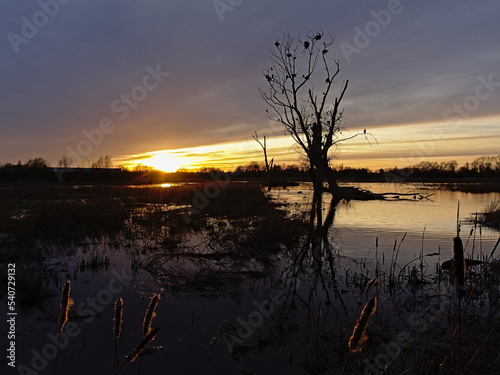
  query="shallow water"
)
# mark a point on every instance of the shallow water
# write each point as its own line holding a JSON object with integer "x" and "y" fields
{"x": 277, "y": 322}
{"x": 430, "y": 223}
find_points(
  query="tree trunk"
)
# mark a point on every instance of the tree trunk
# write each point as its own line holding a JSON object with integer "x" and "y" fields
{"x": 320, "y": 171}
{"x": 317, "y": 184}
{"x": 332, "y": 182}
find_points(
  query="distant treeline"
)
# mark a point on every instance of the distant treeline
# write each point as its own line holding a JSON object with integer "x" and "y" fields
{"x": 38, "y": 170}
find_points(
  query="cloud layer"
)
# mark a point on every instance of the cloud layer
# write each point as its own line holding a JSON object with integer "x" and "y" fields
{"x": 424, "y": 61}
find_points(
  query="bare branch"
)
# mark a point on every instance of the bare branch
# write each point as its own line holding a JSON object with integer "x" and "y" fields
{"x": 312, "y": 119}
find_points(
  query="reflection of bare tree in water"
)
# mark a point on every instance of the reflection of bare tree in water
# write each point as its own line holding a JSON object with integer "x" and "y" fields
{"x": 291, "y": 266}
{"x": 314, "y": 290}
{"x": 319, "y": 229}
{"x": 306, "y": 308}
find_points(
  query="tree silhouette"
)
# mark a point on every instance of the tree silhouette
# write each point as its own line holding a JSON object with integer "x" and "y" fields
{"x": 65, "y": 162}
{"x": 102, "y": 162}
{"x": 37, "y": 162}
{"x": 298, "y": 68}
{"x": 269, "y": 165}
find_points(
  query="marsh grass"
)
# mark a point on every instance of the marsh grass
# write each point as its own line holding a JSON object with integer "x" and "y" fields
{"x": 149, "y": 334}
{"x": 491, "y": 215}
{"x": 359, "y": 334}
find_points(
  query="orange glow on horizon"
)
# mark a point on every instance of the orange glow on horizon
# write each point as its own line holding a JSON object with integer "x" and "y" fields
{"x": 401, "y": 145}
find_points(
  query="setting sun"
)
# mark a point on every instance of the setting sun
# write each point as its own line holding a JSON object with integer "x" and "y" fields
{"x": 165, "y": 162}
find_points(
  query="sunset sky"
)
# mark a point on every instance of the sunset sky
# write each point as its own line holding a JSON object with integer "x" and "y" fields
{"x": 175, "y": 83}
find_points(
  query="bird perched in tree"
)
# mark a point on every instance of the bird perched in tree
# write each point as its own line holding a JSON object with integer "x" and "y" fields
{"x": 364, "y": 131}
{"x": 306, "y": 45}
{"x": 277, "y": 44}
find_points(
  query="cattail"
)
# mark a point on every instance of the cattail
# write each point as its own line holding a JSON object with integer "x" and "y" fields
{"x": 459, "y": 264}
{"x": 142, "y": 345}
{"x": 66, "y": 303}
{"x": 359, "y": 336}
{"x": 151, "y": 350}
{"x": 150, "y": 314}
{"x": 117, "y": 320}
{"x": 370, "y": 285}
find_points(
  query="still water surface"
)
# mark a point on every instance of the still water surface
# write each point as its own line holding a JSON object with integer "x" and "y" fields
{"x": 430, "y": 222}
{"x": 198, "y": 328}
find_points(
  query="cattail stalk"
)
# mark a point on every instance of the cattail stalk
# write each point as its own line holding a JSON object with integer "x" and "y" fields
{"x": 117, "y": 320}
{"x": 370, "y": 285}
{"x": 142, "y": 345}
{"x": 65, "y": 305}
{"x": 150, "y": 314}
{"x": 459, "y": 264}
{"x": 358, "y": 336}
{"x": 117, "y": 327}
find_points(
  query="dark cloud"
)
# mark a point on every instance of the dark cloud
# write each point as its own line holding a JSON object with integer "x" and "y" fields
{"x": 66, "y": 77}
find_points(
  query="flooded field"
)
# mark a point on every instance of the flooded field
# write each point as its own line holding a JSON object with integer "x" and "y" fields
{"x": 250, "y": 282}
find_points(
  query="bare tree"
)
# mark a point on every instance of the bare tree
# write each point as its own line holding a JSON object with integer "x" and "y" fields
{"x": 269, "y": 165}
{"x": 65, "y": 162}
{"x": 298, "y": 68}
{"x": 102, "y": 162}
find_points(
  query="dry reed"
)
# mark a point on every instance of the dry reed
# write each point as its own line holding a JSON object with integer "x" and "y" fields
{"x": 142, "y": 345}
{"x": 117, "y": 320}
{"x": 358, "y": 337}
{"x": 65, "y": 305}
{"x": 150, "y": 314}
{"x": 370, "y": 285}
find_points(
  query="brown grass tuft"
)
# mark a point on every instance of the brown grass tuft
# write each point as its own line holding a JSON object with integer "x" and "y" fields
{"x": 358, "y": 337}
{"x": 142, "y": 345}
{"x": 150, "y": 314}
{"x": 66, "y": 303}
